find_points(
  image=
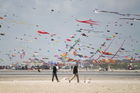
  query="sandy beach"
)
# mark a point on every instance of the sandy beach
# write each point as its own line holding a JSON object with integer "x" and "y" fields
{"x": 88, "y": 84}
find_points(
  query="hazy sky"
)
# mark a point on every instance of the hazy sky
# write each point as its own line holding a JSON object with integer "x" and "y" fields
{"x": 23, "y": 18}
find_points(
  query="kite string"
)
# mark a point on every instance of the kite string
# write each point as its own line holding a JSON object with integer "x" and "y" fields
{"x": 118, "y": 50}
{"x": 105, "y": 49}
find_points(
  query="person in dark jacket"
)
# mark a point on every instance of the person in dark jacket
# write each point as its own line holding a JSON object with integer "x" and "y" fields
{"x": 75, "y": 73}
{"x": 54, "y": 73}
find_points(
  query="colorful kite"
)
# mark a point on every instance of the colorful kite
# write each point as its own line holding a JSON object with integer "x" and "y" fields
{"x": 71, "y": 60}
{"x": 106, "y": 53}
{"x": 64, "y": 54}
{"x": 108, "y": 60}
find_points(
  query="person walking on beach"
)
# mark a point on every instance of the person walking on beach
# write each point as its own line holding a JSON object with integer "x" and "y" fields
{"x": 38, "y": 68}
{"x": 54, "y": 73}
{"x": 75, "y": 73}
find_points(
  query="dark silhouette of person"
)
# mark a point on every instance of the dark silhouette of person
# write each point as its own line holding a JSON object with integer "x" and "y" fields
{"x": 75, "y": 73}
{"x": 54, "y": 73}
{"x": 38, "y": 68}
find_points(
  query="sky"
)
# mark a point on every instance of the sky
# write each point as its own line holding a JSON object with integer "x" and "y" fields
{"x": 21, "y": 19}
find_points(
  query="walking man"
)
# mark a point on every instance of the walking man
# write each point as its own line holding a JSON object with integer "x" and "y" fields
{"x": 54, "y": 73}
{"x": 75, "y": 73}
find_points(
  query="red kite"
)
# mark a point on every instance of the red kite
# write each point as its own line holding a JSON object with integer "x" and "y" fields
{"x": 108, "y": 39}
{"x": 68, "y": 39}
{"x": 42, "y": 32}
{"x": 106, "y": 53}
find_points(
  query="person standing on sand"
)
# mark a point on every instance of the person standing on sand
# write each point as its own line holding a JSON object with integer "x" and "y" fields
{"x": 75, "y": 73}
{"x": 54, "y": 73}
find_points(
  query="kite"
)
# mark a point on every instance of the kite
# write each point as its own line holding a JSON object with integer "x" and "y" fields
{"x": 1, "y": 18}
{"x": 108, "y": 60}
{"x": 75, "y": 53}
{"x": 103, "y": 44}
{"x": 108, "y": 39}
{"x": 72, "y": 60}
{"x": 52, "y": 39}
{"x": 13, "y": 55}
{"x": 91, "y": 22}
{"x": 130, "y": 58}
{"x": 106, "y": 53}
{"x": 56, "y": 56}
{"x": 45, "y": 58}
{"x": 130, "y": 18}
{"x": 96, "y": 61}
{"x": 91, "y": 30}
{"x": 42, "y": 32}
{"x": 22, "y": 54}
{"x": 52, "y": 10}
{"x": 68, "y": 39}
{"x": 122, "y": 48}
{"x": 99, "y": 50}
{"x": 86, "y": 56}
{"x": 83, "y": 34}
{"x": 64, "y": 54}
{"x": 53, "y": 35}
{"x": 78, "y": 30}
{"x": 73, "y": 36}
{"x": 79, "y": 55}
{"x": 2, "y": 34}
{"x": 116, "y": 33}
{"x": 108, "y": 30}
{"x": 112, "y": 12}
{"x": 91, "y": 52}
{"x": 131, "y": 24}
{"x": 35, "y": 38}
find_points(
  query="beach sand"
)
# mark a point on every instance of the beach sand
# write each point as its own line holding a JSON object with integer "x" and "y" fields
{"x": 88, "y": 84}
